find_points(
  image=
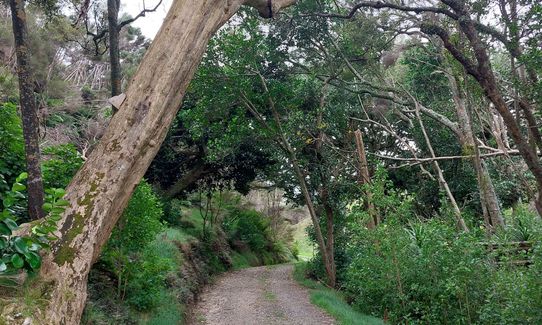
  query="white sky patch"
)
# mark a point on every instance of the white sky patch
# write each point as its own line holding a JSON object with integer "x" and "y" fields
{"x": 150, "y": 24}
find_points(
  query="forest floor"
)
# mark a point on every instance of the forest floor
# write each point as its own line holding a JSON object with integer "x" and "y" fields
{"x": 257, "y": 295}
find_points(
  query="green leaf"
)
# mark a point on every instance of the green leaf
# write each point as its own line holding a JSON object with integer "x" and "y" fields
{"x": 20, "y": 245}
{"x": 17, "y": 261}
{"x": 57, "y": 210}
{"x": 34, "y": 247}
{"x": 55, "y": 217}
{"x": 3, "y": 267}
{"x": 3, "y": 243}
{"x": 8, "y": 201}
{"x": 11, "y": 223}
{"x": 59, "y": 193}
{"x": 4, "y": 230}
{"x": 34, "y": 260}
{"x": 17, "y": 187}
{"x": 22, "y": 177}
{"x": 62, "y": 203}
{"x": 18, "y": 195}
{"x": 4, "y": 214}
{"x": 47, "y": 207}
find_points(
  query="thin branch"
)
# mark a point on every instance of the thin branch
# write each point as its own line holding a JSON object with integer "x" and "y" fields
{"x": 141, "y": 14}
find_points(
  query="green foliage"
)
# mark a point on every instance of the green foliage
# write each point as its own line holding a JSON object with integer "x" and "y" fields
{"x": 249, "y": 232}
{"x": 420, "y": 271}
{"x": 389, "y": 202}
{"x": 416, "y": 272}
{"x": 60, "y": 165}
{"x": 249, "y": 227}
{"x": 11, "y": 144}
{"x": 22, "y": 252}
{"x": 331, "y": 300}
{"x": 140, "y": 222}
{"x": 128, "y": 254}
{"x": 146, "y": 284}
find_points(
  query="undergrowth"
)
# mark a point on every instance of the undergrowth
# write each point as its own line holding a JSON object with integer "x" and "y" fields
{"x": 332, "y": 300}
{"x": 154, "y": 264}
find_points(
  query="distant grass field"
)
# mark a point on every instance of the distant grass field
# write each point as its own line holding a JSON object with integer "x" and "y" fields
{"x": 332, "y": 301}
{"x": 306, "y": 248}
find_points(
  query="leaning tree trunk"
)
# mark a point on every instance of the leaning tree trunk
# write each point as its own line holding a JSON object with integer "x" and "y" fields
{"x": 442, "y": 181}
{"x": 488, "y": 197}
{"x": 29, "y": 111}
{"x": 100, "y": 191}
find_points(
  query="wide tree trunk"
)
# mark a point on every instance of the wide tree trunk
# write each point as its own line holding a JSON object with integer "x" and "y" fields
{"x": 29, "y": 110}
{"x": 101, "y": 189}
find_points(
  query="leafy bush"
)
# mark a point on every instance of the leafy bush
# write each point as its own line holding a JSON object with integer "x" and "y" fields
{"x": 23, "y": 252}
{"x": 146, "y": 285}
{"x": 11, "y": 144}
{"x": 410, "y": 270}
{"x": 249, "y": 227}
{"x": 418, "y": 273}
{"x": 250, "y": 230}
{"x": 139, "y": 270}
{"x": 140, "y": 222}
{"x": 60, "y": 165}
{"x": 428, "y": 272}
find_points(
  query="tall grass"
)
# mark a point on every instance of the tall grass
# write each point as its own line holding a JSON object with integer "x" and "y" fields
{"x": 332, "y": 301}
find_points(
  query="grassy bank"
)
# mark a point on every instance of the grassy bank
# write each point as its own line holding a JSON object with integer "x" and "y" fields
{"x": 332, "y": 301}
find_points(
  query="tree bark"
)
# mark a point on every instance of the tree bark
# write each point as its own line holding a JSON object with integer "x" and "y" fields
{"x": 365, "y": 178}
{"x": 101, "y": 189}
{"x": 114, "y": 53}
{"x": 29, "y": 111}
{"x": 488, "y": 197}
{"x": 483, "y": 73}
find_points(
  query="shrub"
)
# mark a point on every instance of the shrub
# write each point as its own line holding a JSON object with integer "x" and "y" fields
{"x": 250, "y": 230}
{"x": 23, "y": 252}
{"x": 428, "y": 272}
{"x": 417, "y": 274}
{"x": 140, "y": 222}
{"x": 249, "y": 227}
{"x": 61, "y": 164}
{"x": 139, "y": 268}
{"x": 11, "y": 144}
{"x": 146, "y": 285}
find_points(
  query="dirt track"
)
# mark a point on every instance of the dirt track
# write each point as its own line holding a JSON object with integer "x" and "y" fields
{"x": 259, "y": 295}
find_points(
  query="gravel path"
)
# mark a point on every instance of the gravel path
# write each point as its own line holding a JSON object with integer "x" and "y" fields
{"x": 259, "y": 295}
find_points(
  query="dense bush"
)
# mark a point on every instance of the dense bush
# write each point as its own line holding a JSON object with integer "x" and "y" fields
{"x": 11, "y": 144}
{"x": 23, "y": 252}
{"x": 249, "y": 229}
{"x": 60, "y": 165}
{"x": 429, "y": 273}
{"x": 146, "y": 285}
{"x": 136, "y": 266}
{"x": 411, "y": 270}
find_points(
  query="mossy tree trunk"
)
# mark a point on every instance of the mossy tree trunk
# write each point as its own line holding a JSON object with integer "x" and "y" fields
{"x": 29, "y": 110}
{"x": 101, "y": 189}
